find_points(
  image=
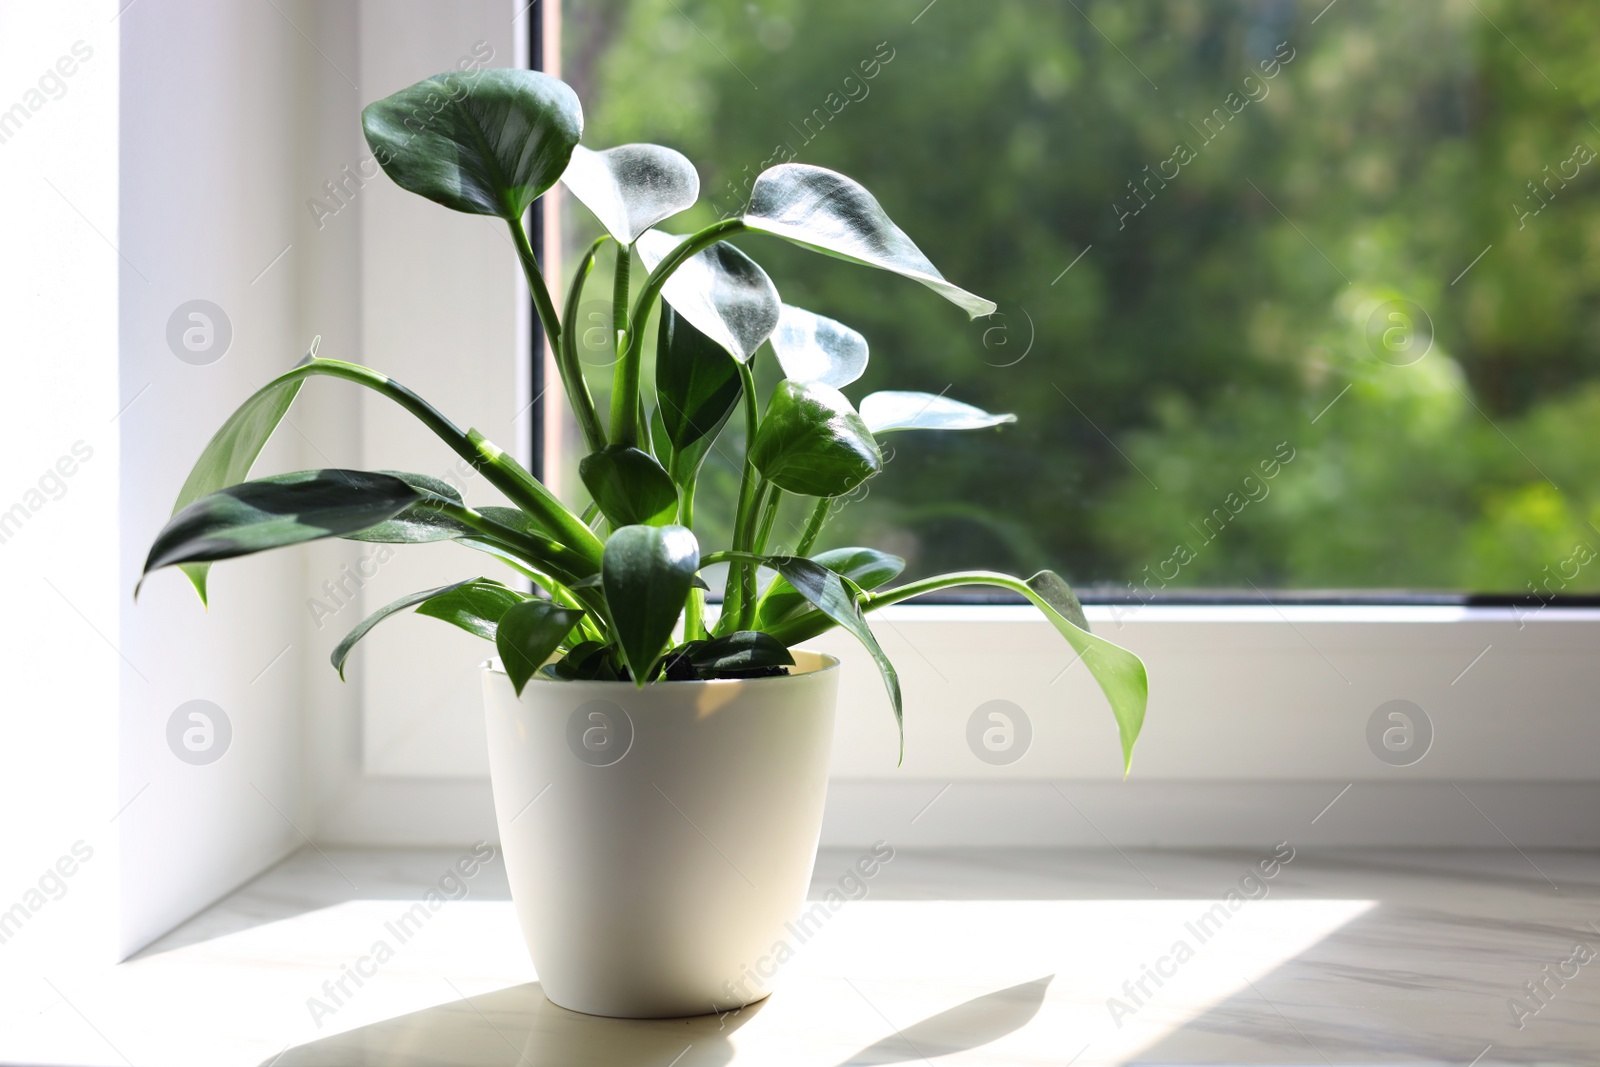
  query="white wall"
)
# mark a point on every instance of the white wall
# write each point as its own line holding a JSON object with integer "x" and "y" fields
{"x": 211, "y": 132}
{"x": 64, "y": 591}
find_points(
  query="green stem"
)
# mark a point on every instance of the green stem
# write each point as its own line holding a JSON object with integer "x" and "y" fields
{"x": 765, "y": 492}
{"x": 561, "y": 562}
{"x": 694, "y": 610}
{"x": 741, "y": 577}
{"x": 814, "y": 525}
{"x": 625, "y": 384}
{"x": 619, "y": 298}
{"x": 542, "y": 303}
{"x": 500, "y": 469}
{"x": 583, "y": 409}
{"x": 811, "y": 624}
{"x": 769, "y": 515}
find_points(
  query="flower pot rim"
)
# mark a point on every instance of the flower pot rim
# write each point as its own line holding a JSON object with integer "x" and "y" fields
{"x": 492, "y": 665}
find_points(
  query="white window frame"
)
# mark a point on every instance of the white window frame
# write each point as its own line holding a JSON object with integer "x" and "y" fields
{"x": 1253, "y": 707}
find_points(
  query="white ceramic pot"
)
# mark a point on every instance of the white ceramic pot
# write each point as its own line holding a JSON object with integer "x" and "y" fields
{"x": 658, "y": 840}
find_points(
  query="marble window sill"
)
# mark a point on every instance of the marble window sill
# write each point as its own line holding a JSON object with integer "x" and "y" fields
{"x": 989, "y": 957}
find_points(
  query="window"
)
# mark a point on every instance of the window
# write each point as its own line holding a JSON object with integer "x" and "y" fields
{"x": 1288, "y": 300}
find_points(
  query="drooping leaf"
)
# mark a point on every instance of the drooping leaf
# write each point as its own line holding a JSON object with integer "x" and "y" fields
{"x": 418, "y": 523}
{"x": 228, "y": 456}
{"x": 812, "y": 442}
{"x": 342, "y": 651}
{"x": 487, "y": 142}
{"x": 741, "y": 652}
{"x": 898, "y": 410}
{"x": 1119, "y": 673}
{"x": 632, "y": 187}
{"x": 528, "y": 633}
{"x": 868, "y": 568}
{"x": 1055, "y": 591}
{"x": 630, "y": 486}
{"x": 837, "y": 598}
{"x": 697, "y": 382}
{"x": 646, "y": 573}
{"x": 827, "y": 211}
{"x": 722, "y": 291}
{"x": 285, "y": 509}
{"x": 476, "y": 606}
{"x": 814, "y": 348}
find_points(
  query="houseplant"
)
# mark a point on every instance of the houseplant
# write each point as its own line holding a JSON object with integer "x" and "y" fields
{"x": 616, "y": 690}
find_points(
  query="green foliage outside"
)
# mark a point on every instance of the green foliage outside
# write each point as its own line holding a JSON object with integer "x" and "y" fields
{"x": 1230, "y": 312}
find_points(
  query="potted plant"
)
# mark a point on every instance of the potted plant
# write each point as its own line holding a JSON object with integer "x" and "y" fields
{"x": 684, "y": 754}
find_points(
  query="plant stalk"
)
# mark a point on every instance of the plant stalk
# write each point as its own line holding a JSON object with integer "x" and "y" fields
{"x": 814, "y": 623}
{"x": 694, "y": 609}
{"x": 583, "y": 409}
{"x": 503, "y": 472}
{"x": 625, "y": 384}
{"x": 741, "y": 576}
{"x": 619, "y": 298}
{"x": 814, "y": 525}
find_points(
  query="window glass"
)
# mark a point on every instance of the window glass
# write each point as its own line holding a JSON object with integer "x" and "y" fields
{"x": 1291, "y": 296}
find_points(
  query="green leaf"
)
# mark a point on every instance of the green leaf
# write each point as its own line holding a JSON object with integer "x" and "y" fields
{"x": 418, "y": 523}
{"x": 697, "y": 382}
{"x": 1056, "y": 593}
{"x": 630, "y": 486}
{"x": 722, "y": 291}
{"x": 814, "y": 348}
{"x": 487, "y": 142}
{"x": 475, "y": 606}
{"x": 866, "y": 567}
{"x": 812, "y": 442}
{"x": 286, "y": 509}
{"x": 1119, "y": 673}
{"x": 837, "y": 598}
{"x": 342, "y": 651}
{"x": 228, "y": 456}
{"x": 824, "y": 210}
{"x": 528, "y": 633}
{"x": 742, "y": 651}
{"x": 896, "y": 410}
{"x": 632, "y": 187}
{"x": 647, "y": 573}
{"x": 589, "y": 662}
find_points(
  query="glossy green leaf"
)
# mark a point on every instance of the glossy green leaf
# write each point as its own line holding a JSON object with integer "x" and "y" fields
{"x": 486, "y": 142}
{"x": 722, "y": 291}
{"x": 476, "y": 606}
{"x": 837, "y": 598}
{"x": 632, "y": 187}
{"x": 827, "y": 211}
{"x": 286, "y": 509}
{"x": 1119, "y": 673}
{"x": 737, "y": 653}
{"x": 697, "y": 382}
{"x": 528, "y": 633}
{"x": 897, "y": 410}
{"x": 342, "y": 651}
{"x": 589, "y": 661}
{"x": 812, "y": 442}
{"x": 814, "y": 348}
{"x": 418, "y": 523}
{"x": 647, "y": 573}
{"x": 868, "y": 568}
{"x": 228, "y": 456}
{"x": 630, "y": 486}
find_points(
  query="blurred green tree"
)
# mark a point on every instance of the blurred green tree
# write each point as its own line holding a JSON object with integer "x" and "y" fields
{"x": 1197, "y": 216}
